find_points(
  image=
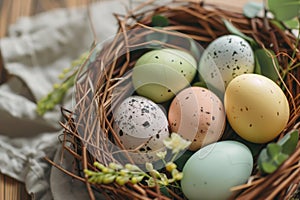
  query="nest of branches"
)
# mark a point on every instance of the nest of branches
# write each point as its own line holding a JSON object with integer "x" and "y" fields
{"x": 89, "y": 132}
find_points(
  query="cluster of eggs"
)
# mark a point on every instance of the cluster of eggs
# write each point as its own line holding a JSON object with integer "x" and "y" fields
{"x": 249, "y": 102}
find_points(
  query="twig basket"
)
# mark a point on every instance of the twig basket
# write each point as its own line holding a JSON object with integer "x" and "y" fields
{"x": 89, "y": 127}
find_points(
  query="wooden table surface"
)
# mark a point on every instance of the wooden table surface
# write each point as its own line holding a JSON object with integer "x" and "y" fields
{"x": 10, "y": 12}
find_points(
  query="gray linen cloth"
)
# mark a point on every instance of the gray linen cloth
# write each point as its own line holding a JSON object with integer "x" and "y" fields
{"x": 35, "y": 52}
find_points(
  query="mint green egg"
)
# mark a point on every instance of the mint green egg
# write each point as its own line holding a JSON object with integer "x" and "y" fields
{"x": 160, "y": 74}
{"x": 213, "y": 170}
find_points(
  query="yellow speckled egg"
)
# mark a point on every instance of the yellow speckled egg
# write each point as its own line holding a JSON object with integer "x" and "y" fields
{"x": 256, "y": 107}
{"x": 198, "y": 115}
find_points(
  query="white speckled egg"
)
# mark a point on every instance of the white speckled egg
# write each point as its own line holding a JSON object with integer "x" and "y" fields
{"x": 231, "y": 54}
{"x": 198, "y": 115}
{"x": 256, "y": 107}
{"x": 141, "y": 125}
{"x": 155, "y": 72}
{"x": 213, "y": 170}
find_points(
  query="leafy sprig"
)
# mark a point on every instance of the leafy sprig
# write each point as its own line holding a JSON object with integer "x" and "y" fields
{"x": 59, "y": 90}
{"x": 132, "y": 173}
{"x": 272, "y": 157}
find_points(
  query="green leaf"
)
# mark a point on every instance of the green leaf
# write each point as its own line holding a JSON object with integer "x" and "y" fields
{"x": 232, "y": 29}
{"x": 280, "y": 158}
{"x": 264, "y": 162}
{"x": 268, "y": 167}
{"x": 265, "y": 59}
{"x": 271, "y": 157}
{"x": 284, "y": 9}
{"x": 251, "y": 9}
{"x": 164, "y": 190}
{"x": 278, "y": 24}
{"x": 292, "y": 23}
{"x": 273, "y": 150}
{"x": 289, "y": 142}
{"x": 159, "y": 20}
{"x": 257, "y": 69}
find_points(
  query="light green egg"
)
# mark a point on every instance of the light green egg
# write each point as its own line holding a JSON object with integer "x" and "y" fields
{"x": 160, "y": 74}
{"x": 213, "y": 170}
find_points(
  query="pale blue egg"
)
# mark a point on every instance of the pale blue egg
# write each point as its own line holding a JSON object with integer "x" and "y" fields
{"x": 213, "y": 170}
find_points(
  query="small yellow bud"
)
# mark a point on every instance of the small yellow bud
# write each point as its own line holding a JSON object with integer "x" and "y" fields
{"x": 61, "y": 76}
{"x": 122, "y": 180}
{"x": 178, "y": 176}
{"x": 108, "y": 178}
{"x": 170, "y": 166}
{"x": 124, "y": 172}
{"x": 56, "y": 85}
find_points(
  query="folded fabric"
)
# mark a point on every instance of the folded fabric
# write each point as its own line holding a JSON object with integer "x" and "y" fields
{"x": 35, "y": 53}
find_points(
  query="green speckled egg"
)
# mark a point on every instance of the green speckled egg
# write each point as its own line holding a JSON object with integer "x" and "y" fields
{"x": 160, "y": 74}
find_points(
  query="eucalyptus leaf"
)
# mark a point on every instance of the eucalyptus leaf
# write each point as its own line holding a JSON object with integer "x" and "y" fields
{"x": 164, "y": 190}
{"x": 289, "y": 142}
{"x": 280, "y": 158}
{"x": 264, "y": 162}
{"x": 284, "y": 9}
{"x": 233, "y": 30}
{"x": 257, "y": 69}
{"x": 278, "y": 24}
{"x": 251, "y": 9}
{"x": 263, "y": 156}
{"x": 292, "y": 23}
{"x": 268, "y": 167}
{"x": 159, "y": 20}
{"x": 273, "y": 150}
{"x": 265, "y": 59}
{"x": 271, "y": 157}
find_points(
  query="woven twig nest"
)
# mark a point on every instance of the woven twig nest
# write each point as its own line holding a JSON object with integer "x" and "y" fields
{"x": 89, "y": 132}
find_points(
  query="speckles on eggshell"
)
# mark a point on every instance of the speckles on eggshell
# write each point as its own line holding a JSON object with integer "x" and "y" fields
{"x": 232, "y": 55}
{"x": 121, "y": 133}
{"x": 146, "y": 124}
{"x": 202, "y": 119}
{"x": 140, "y": 121}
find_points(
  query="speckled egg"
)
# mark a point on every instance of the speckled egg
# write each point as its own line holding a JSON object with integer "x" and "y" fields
{"x": 212, "y": 171}
{"x": 256, "y": 107}
{"x": 198, "y": 115}
{"x": 142, "y": 126}
{"x": 155, "y": 72}
{"x": 232, "y": 56}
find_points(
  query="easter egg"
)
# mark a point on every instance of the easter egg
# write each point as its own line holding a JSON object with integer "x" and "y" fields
{"x": 197, "y": 115}
{"x": 224, "y": 59}
{"x": 256, "y": 108}
{"x": 141, "y": 125}
{"x": 160, "y": 74}
{"x": 213, "y": 170}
